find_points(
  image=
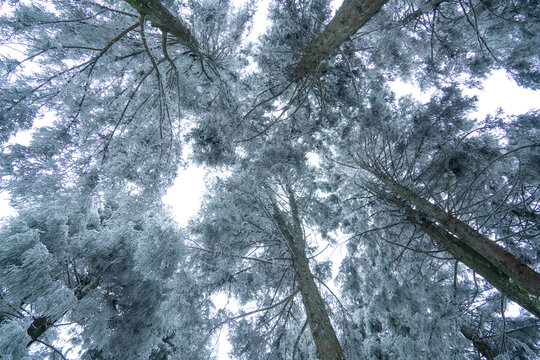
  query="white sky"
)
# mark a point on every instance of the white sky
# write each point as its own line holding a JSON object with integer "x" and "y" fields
{"x": 499, "y": 91}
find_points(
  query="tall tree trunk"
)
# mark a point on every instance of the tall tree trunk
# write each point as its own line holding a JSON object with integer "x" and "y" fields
{"x": 162, "y": 18}
{"x": 350, "y": 17}
{"x": 465, "y": 254}
{"x": 503, "y": 260}
{"x": 326, "y": 342}
{"x": 40, "y": 324}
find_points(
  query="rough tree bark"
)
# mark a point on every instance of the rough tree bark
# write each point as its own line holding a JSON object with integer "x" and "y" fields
{"x": 163, "y": 19}
{"x": 503, "y": 260}
{"x": 468, "y": 256}
{"x": 326, "y": 342}
{"x": 350, "y": 17}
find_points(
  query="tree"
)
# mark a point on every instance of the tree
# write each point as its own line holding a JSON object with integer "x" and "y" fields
{"x": 474, "y": 189}
{"x": 427, "y": 197}
{"x": 99, "y": 264}
{"x": 257, "y": 220}
{"x": 451, "y": 190}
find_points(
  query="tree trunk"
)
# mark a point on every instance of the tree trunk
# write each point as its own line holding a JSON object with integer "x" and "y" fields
{"x": 479, "y": 344}
{"x": 162, "y": 18}
{"x": 468, "y": 256}
{"x": 352, "y": 15}
{"x": 326, "y": 342}
{"x": 498, "y": 256}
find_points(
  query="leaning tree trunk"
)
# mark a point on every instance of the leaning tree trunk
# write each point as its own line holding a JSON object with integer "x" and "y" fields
{"x": 350, "y": 17}
{"x": 468, "y": 256}
{"x": 322, "y": 331}
{"x": 163, "y": 19}
{"x": 499, "y": 257}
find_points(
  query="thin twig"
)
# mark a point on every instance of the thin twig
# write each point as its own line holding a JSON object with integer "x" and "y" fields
{"x": 298, "y": 339}
{"x": 285, "y": 300}
{"x": 51, "y": 347}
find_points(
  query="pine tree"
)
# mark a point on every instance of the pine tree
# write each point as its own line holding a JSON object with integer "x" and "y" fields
{"x": 258, "y": 225}
{"x": 439, "y": 211}
{"x": 406, "y": 180}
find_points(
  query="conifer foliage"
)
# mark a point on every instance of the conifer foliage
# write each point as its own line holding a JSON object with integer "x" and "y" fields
{"x": 341, "y": 222}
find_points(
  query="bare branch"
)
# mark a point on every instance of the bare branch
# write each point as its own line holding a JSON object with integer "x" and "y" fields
{"x": 52, "y": 348}
{"x": 298, "y": 339}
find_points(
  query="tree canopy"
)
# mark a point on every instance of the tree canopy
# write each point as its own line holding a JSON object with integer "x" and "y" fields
{"x": 437, "y": 211}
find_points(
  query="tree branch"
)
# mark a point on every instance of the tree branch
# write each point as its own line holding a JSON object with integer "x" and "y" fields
{"x": 298, "y": 339}
{"x": 51, "y": 347}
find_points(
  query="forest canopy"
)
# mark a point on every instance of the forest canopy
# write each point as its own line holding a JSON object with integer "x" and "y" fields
{"x": 437, "y": 211}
